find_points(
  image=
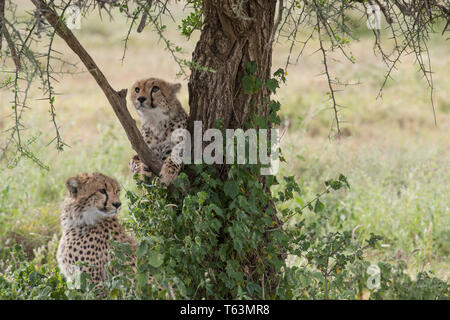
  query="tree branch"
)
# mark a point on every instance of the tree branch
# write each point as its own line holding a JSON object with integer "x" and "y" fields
{"x": 330, "y": 84}
{"x": 144, "y": 17}
{"x": 9, "y": 41}
{"x": 117, "y": 99}
{"x": 277, "y": 23}
{"x": 2, "y": 14}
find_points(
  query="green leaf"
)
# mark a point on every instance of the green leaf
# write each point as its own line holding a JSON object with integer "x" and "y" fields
{"x": 343, "y": 179}
{"x": 260, "y": 121}
{"x": 251, "y": 67}
{"x": 319, "y": 206}
{"x": 142, "y": 249}
{"x": 155, "y": 259}
{"x": 248, "y": 82}
{"x": 272, "y": 85}
{"x": 141, "y": 279}
{"x": 231, "y": 188}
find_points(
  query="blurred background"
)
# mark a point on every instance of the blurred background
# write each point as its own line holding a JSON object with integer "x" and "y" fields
{"x": 396, "y": 160}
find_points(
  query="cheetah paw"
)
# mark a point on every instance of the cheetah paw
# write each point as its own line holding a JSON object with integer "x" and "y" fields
{"x": 137, "y": 166}
{"x": 166, "y": 177}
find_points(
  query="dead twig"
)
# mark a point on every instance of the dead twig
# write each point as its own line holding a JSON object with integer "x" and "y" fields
{"x": 2, "y": 14}
{"x": 277, "y": 23}
{"x": 144, "y": 17}
{"x": 11, "y": 46}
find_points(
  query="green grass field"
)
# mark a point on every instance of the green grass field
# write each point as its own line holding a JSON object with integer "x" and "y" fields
{"x": 396, "y": 160}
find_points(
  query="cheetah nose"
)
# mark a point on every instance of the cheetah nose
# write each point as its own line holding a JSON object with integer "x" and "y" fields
{"x": 117, "y": 205}
{"x": 142, "y": 99}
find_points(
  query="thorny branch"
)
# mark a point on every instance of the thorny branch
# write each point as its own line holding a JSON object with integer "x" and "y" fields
{"x": 151, "y": 12}
{"x": 410, "y": 24}
{"x": 11, "y": 46}
{"x": 116, "y": 99}
{"x": 29, "y": 67}
{"x": 330, "y": 85}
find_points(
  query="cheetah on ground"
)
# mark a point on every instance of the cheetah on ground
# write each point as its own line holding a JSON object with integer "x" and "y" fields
{"x": 88, "y": 219}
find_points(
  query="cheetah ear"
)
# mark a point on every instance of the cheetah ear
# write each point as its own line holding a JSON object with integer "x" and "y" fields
{"x": 72, "y": 185}
{"x": 176, "y": 87}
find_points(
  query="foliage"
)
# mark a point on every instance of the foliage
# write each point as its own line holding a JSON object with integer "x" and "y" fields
{"x": 180, "y": 246}
{"x": 194, "y": 20}
{"x": 396, "y": 284}
{"x": 25, "y": 279}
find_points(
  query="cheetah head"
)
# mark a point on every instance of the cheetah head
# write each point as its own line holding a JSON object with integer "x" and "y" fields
{"x": 155, "y": 98}
{"x": 92, "y": 197}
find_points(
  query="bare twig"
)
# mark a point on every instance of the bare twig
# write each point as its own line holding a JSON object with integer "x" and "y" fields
{"x": 354, "y": 231}
{"x": 125, "y": 47}
{"x": 262, "y": 287}
{"x": 277, "y": 23}
{"x": 11, "y": 46}
{"x": 172, "y": 292}
{"x": 330, "y": 85}
{"x": 144, "y": 17}
{"x": 2, "y": 14}
{"x": 169, "y": 46}
{"x": 385, "y": 12}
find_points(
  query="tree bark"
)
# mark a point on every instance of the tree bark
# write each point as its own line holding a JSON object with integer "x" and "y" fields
{"x": 231, "y": 37}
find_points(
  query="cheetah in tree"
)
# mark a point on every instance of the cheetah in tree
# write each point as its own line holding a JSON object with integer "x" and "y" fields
{"x": 161, "y": 114}
{"x": 88, "y": 219}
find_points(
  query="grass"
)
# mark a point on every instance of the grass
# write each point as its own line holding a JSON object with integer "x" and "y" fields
{"x": 396, "y": 160}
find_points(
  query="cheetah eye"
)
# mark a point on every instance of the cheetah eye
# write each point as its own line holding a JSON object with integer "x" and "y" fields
{"x": 136, "y": 90}
{"x": 155, "y": 89}
{"x": 102, "y": 191}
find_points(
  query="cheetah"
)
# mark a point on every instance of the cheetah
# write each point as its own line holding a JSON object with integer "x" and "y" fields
{"x": 88, "y": 219}
{"x": 161, "y": 114}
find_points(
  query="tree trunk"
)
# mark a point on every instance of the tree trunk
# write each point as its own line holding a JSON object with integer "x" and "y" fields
{"x": 231, "y": 37}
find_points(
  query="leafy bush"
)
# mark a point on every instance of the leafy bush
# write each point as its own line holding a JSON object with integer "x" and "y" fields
{"x": 204, "y": 240}
{"x": 24, "y": 279}
{"x": 197, "y": 248}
